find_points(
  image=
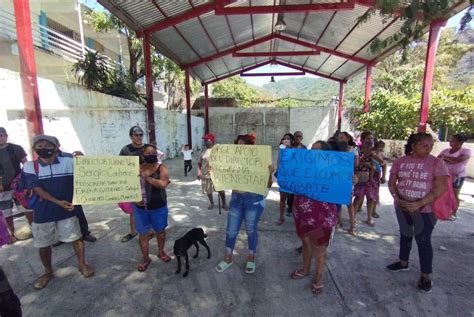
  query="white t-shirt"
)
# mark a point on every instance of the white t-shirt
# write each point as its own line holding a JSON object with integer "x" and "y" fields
{"x": 187, "y": 154}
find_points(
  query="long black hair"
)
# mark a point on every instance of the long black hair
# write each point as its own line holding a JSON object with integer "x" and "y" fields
{"x": 291, "y": 136}
{"x": 461, "y": 137}
{"x": 414, "y": 139}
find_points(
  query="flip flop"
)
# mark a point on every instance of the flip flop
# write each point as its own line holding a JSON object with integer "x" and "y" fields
{"x": 352, "y": 231}
{"x": 371, "y": 224}
{"x": 297, "y": 275}
{"x": 87, "y": 271}
{"x": 165, "y": 258}
{"x": 280, "y": 221}
{"x": 316, "y": 289}
{"x": 223, "y": 266}
{"x": 250, "y": 267}
{"x": 42, "y": 281}
{"x": 128, "y": 237}
{"x": 143, "y": 266}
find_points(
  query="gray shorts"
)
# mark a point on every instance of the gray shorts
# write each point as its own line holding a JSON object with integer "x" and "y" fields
{"x": 48, "y": 233}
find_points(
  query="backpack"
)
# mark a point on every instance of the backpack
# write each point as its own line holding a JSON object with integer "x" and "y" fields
{"x": 26, "y": 197}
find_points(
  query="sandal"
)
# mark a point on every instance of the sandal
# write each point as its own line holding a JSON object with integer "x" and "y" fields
{"x": 352, "y": 231}
{"x": 223, "y": 266}
{"x": 250, "y": 267}
{"x": 128, "y": 237}
{"x": 280, "y": 221}
{"x": 143, "y": 266}
{"x": 43, "y": 280}
{"x": 298, "y": 275}
{"x": 210, "y": 206}
{"x": 371, "y": 223}
{"x": 316, "y": 289}
{"x": 86, "y": 271}
{"x": 164, "y": 257}
{"x": 225, "y": 207}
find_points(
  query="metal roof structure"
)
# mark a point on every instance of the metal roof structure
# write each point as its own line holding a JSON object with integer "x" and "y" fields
{"x": 209, "y": 37}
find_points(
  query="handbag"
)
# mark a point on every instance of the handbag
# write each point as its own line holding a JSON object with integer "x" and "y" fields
{"x": 444, "y": 206}
{"x": 126, "y": 208}
{"x": 26, "y": 197}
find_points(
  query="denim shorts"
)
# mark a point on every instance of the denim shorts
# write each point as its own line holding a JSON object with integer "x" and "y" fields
{"x": 458, "y": 182}
{"x": 147, "y": 219}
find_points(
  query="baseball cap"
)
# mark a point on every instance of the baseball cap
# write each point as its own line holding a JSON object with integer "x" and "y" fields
{"x": 135, "y": 129}
{"x": 3, "y": 130}
{"x": 44, "y": 137}
{"x": 209, "y": 137}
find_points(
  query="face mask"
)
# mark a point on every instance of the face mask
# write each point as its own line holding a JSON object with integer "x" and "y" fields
{"x": 207, "y": 143}
{"x": 369, "y": 143}
{"x": 150, "y": 158}
{"x": 45, "y": 153}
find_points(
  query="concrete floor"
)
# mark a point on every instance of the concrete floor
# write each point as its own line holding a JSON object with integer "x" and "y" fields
{"x": 356, "y": 282}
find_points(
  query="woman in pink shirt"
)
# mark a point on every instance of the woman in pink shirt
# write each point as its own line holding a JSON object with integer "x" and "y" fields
{"x": 456, "y": 159}
{"x": 416, "y": 180}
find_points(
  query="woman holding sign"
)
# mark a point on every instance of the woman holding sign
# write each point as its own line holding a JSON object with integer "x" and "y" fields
{"x": 416, "y": 180}
{"x": 315, "y": 222}
{"x": 243, "y": 206}
{"x": 152, "y": 211}
{"x": 287, "y": 142}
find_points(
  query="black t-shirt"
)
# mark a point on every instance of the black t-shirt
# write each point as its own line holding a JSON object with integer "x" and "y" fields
{"x": 11, "y": 158}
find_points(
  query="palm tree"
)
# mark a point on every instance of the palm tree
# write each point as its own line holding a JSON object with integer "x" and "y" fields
{"x": 91, "y": 71}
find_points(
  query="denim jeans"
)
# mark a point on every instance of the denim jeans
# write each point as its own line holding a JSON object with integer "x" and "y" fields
{"x": 248, "y": 207}
{"x": 421, "y": 226}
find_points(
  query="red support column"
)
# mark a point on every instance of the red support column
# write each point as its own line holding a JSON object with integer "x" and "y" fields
{"x": 150, "y": 104}
{"x": 206, "y": 109}
{"x": 339, "y": 110}
{"x": 29, "y": 82}
{"x": 368, "y": 88}
{"x": 433, "y": 39}
{"x": 188, "y": 106}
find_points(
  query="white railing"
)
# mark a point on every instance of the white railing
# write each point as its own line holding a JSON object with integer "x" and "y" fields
{"x": 48, "y": 40}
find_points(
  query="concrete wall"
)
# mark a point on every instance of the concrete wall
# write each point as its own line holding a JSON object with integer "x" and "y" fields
{"x": 270, "y": 124}
{"x": 94, "y": 123}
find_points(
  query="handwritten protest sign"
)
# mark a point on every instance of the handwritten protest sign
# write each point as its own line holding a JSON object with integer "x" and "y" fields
{"x": 101, "y": 180}
{"x": 241, "y": 167}
{"x": 321, "y": 175}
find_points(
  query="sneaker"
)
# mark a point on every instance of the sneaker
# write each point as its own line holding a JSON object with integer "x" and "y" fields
{"x": 425, "y": 285}
{"x": 398, "y": 267}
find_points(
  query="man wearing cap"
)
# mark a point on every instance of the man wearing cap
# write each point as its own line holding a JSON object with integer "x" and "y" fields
{"x": 11, "y": 158}
{"x": 133, "y": 149}
{"x": 51, "y": 178}
{"x": 204, "y": 172}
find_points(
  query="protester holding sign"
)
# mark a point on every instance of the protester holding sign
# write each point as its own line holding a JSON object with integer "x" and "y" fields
{"x": 315, "y": 222}
{"x": 133, "y": 149}
{"x": 246, "y": 206}
{"x": 287, "y": 142}
{"x": 152, "y": 211}
{"x": 204, "y": 172}
{"x": 416, "y": 180}
{"x": 53, "y": 214}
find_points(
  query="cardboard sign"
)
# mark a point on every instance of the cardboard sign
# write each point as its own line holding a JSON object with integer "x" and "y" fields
{"x": 241, "y": 167}
{"x": 103, "y": 180}
{"x": 321, "y": 175}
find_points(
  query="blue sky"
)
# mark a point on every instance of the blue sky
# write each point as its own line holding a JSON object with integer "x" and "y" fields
{"x": 260, "y": 81}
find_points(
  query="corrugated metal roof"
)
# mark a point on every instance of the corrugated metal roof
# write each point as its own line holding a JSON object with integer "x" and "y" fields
{"x": 203, "y": 37}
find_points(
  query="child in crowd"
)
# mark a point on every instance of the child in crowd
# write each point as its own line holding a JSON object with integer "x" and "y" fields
{"x": 381, "y": 169}
{"x": 188, "y": 159}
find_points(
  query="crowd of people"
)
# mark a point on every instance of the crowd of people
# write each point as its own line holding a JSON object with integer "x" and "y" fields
{"x": 416, "y": 180}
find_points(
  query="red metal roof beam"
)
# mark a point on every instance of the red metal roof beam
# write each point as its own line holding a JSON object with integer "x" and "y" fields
{"x": 237, "y": 72}
{"x": 229, "y": 51}
{"x": 301, "y": 73}
{"x": 295, "y": 8}
{"x": 311, "y": 72}
{"x": 275, "y": 54}
{"x": 324, "y": 49}
{"x": 172, "y": 21}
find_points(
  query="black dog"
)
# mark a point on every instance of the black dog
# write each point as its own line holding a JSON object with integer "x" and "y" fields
{"x": 182, "y": 245}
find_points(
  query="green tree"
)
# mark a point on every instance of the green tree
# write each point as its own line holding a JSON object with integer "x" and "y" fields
{"x": 92, "y": 71}
{"x": 237, "y": 88}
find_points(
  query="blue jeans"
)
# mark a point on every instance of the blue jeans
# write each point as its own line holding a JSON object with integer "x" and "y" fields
{"x": 248, "y": 207}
